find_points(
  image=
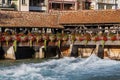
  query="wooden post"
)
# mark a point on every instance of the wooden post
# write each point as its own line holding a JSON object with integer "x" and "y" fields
{"x": 100, "y": 52}
{"x": 74, "y": 52}
{"x": 61, "y": 6}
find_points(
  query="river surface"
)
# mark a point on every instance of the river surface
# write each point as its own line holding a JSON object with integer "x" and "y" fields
{"x": 92, "y": 68}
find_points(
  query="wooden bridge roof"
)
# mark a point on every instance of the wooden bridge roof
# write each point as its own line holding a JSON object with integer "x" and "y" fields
{"x": 90, "y": 16}
{"x": 57, "y": 19}
{"x": 28, "y": 19}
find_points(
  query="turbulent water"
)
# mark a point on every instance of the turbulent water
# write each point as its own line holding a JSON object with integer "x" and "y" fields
{"x": 92, "y": 68}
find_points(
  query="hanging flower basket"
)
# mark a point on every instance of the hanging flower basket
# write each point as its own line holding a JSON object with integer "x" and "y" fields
{"x": 77, "y": 37}
{"x": 64, "y": 37}
{"x": 81, "y": 38}
{"x": 8, "y": 39}
{"x": 72, "y": 37}
{"x": 52, "y": 37}
{"x": 24, "y": 38}
{"x": 96, "y": 38}
{"x": 45, "y": 37}
{"x": 87, "y": 38}
{"x": 31, "y": 37}
{"x": 59, "y": 37}
{"x": 38, "y": 38}
{"x": 16, "y": 37}
{"x": 104, "y": 39}
{"x": 2, "y": 39}
{"x": 113, "y": 38}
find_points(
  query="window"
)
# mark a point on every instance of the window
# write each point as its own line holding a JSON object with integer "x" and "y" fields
{"x": 101, "y": 6}
{"x": 109, "y": 6}
{"x": 3, "y": 1}
{"x": 87, "y": 5}
{"x": 23, "y": 2}
{"x": 9, "y": 2}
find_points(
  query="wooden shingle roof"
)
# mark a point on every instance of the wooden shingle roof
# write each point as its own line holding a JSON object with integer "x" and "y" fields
{"x": 90, "y": 16}
{"x": 28, "y": 19}
{"x": 57, "y": 19}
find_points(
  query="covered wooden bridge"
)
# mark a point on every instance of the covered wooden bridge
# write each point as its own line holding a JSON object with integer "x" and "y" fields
{"x": 87, "y": 31}
{"x": 101, "y": 28}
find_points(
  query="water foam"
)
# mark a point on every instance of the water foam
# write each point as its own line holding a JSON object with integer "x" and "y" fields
{"x": 67, "y": 68}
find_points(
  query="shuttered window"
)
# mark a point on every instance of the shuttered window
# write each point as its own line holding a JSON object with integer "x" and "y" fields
{"x": 23, "y": 2}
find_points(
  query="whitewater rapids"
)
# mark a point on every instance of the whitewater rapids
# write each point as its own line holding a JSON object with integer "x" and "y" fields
{"x": 68, "y": 68}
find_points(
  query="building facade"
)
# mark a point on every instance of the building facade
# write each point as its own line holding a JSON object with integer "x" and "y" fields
{"x": 118, "y": 2}
{"x": 47, "y": 5}
{"x": 25, "y": 5}
{"x": 5, "y": 3}
{"x": 104, "y": 4}
{"x": 61, "y": 5}
{"x": 68, "y": 5}
{"x": 38, "y": 5}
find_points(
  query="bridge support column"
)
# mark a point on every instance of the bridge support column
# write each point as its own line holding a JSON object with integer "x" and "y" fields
{"x": 74, "y": 52}
{"x": 100, "y": 51}
{"x": 1, "y": 53}
{"x": 52, "y": 51}
{"x": 24, "y": 52}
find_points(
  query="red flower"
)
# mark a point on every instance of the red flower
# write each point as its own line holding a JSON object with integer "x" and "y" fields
{"x": 20, "y": 34}
{"x": 8, "y": 38}
{"x": 52, "y": 37}
{"x": 64, "y": 37}
{"x": 88, "y": 38}
{"x": 31, "y": 37}
{"x": 81, "y": 38}
{"x": 2, "y": 38}
{"x": 16, "y": 37}
{"x": 113, "y": 38}
{"x": 96, "y": 38}
{"x": 104, "y": 38}
{"x": 58, "y": 36}
{"x": 23, "y": 38}
{"x": 45, "y": 36}
{"x": 38, "y": 38}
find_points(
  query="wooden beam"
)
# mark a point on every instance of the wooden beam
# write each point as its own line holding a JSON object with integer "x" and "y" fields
{"x": 94, "y": 24}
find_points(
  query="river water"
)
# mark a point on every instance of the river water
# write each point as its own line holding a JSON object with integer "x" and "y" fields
{"x": 91, "y": 68}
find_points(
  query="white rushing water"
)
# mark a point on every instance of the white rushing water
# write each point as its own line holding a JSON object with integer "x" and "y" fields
{"x": 92, "y": 68}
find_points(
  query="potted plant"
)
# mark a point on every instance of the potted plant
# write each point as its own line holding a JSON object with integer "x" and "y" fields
{"x": 59, "y": 38}
{"x": 15, "y": 38}
{"x": 96, "y": 38}
{"x": 113, "y": 37}
{"x": 87, "y": 38}
{"x": 104, "y": 39}
{"x": 38, "y": 38}
{"x": 77, "y": 37}
{"x": 31, "y": 38}
{"x": 45, "y": 38}
{"x": 52, "y": 37}
{"x": 72, "y": 38}
{"x": 23, "y": 38}
{"x": 7, "y": 39}
{"x": 64, "y": 37}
